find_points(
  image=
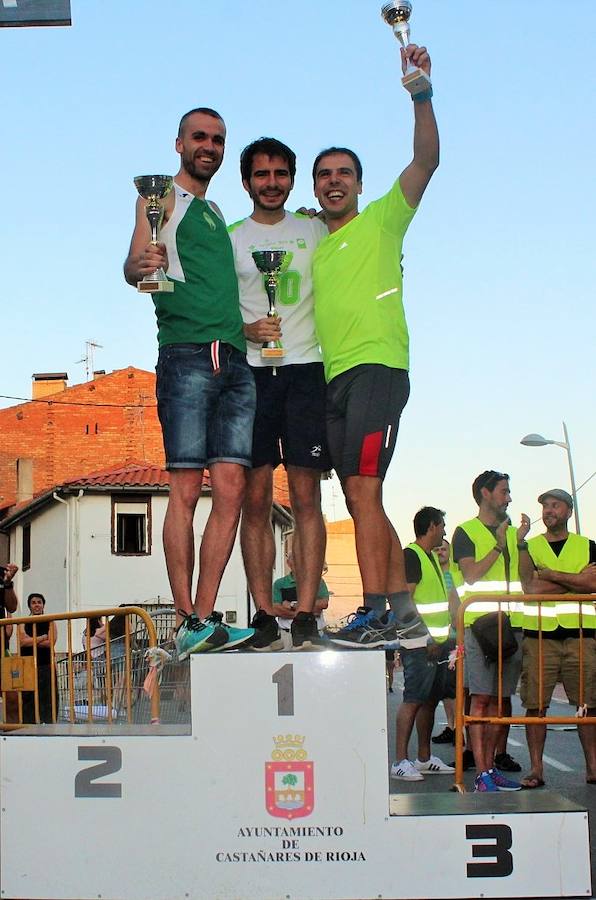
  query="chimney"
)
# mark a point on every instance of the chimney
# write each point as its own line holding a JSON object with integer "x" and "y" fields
{"x": 24, "y": 479}
{"x": 98, "y": 373}
{"x": 46, "y": 383}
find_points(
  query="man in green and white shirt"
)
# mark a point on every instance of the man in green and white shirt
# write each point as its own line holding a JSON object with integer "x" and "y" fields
{"x": 363, "y": 334}
{"x": 205, "y": 391}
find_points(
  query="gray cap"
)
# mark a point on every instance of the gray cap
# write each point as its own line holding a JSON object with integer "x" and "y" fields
{"x": 557, "y": 494}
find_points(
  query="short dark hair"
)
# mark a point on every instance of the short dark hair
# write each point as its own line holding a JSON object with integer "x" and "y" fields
{"x": 270, "y": 147}
{"x": 331, "y": 150}
{"x": 205, "y": 110}
{"x": 33, "y": 595}
{"x": 489, "y": 480}
{"x": 425, "y": 517}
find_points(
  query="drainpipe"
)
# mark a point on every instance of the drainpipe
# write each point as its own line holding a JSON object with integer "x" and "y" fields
{"x": 69, "y": 545}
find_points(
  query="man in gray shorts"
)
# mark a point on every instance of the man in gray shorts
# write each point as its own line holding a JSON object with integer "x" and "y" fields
{"x": 205, "y": 390}
{"x": 487, "y": 550}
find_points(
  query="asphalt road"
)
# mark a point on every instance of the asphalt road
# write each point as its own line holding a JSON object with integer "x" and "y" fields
{"x": 564, "y": 769}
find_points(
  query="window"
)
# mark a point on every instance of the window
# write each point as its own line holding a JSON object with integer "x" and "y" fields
{"x": 131, "y": 526}
{"x": 26, "y": 560}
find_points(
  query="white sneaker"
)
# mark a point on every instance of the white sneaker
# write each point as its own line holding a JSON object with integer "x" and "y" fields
{"x": 433, "y": 766}
{"x": 405, "y": 771}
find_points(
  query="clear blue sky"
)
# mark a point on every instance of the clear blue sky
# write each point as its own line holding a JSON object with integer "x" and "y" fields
{"x": 499, "y": 260}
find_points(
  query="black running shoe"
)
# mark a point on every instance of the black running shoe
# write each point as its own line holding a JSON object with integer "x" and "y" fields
{"x": 506, "y": 763}
{"x": 447, "y": 736}
{"x": 267, "y": 637}
{"x": 468, "y": 761}
{"x": 305, "y": 634}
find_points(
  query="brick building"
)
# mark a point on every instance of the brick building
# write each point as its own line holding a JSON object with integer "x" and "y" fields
{"x": 67, "y": 432}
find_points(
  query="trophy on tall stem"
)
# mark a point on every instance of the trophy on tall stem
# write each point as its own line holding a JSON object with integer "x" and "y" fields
{"x": 270, "y": 262}
{"x": 154, "y": 188}
{"x": 397, "y": 15}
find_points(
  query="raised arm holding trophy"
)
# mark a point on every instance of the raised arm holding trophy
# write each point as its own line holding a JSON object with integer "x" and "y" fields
{"x": 397, "y": 15}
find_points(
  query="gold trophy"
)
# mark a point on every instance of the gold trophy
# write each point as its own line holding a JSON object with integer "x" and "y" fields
{"x": 397, "y": 15}
{"x": 154, "y": 188}
{"x": 270, "y": 262}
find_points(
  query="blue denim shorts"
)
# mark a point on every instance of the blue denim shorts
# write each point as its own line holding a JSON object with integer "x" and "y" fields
{"x": 206, "y": 415}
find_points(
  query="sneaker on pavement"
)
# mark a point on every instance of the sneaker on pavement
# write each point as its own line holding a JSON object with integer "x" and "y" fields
{"x": 235, "y": 637}
{"x": 484, "y": 784}
{"x": 506, "y": 763}
{"x": 365, "y": 631}
{"x": 447, "y": 736}
{"x": 267, "y": 636}
{"x": 196, "y": 636}
{"x": 434, "y": 766}
{"x": 305, "y": 634}
{"x": 503, "y": 783}
{"x": 406, "y": 771}
{"x": 468, "y": 760}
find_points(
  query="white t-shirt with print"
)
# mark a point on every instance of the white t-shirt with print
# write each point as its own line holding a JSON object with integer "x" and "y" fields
{"x": 298, "y": 236}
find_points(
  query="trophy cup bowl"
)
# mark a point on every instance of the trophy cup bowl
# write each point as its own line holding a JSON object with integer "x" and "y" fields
{"x": 269, "y": 263}
{"x": 397, "y": 15}
{"x": 154, "y": 188}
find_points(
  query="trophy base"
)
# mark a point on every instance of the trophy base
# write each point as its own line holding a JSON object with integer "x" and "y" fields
{"x": 155, "y": 287}
{"x": 416, "y": 82}
{"x": 272, "y": 353}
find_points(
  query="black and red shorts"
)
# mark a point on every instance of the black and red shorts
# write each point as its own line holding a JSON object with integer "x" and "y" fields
{"x": 364, "y": 406}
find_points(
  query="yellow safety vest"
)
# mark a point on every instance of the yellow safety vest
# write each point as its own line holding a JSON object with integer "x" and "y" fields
{"x": 494, "y": 581}
{"x": 431, "y": 596}
{"x": 574, "y": 557}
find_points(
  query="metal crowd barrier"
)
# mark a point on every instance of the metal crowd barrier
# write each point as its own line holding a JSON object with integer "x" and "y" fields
{"x": 462, "y": 720}
{"x": 84, "y": 686}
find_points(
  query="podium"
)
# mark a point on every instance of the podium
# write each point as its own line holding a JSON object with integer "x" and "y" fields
{"x": 278, "y": 788}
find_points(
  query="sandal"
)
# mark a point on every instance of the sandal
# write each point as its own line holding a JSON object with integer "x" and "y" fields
{"x": 531, "y": 782}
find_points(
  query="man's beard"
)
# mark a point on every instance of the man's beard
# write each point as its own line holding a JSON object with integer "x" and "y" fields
{"x": 189, "y": 166}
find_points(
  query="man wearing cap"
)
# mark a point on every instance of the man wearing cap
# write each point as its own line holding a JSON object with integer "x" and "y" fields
{"x": 558, "y": 563}
{"x": 486, "y": 550}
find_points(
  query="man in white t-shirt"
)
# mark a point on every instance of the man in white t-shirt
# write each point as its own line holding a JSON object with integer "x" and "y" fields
{"x": 290, "y": 419}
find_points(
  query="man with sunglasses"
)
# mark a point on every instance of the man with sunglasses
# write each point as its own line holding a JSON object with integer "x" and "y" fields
{"x": 487, "y": 549}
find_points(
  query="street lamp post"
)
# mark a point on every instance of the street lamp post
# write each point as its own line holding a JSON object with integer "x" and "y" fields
{"x": 536, "y": 440}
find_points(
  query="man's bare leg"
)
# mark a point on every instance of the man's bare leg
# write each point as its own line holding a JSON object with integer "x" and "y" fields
{"x": 380, "y": 555}
{"x": 587, "y": 736}
{"x": 483, "y": 744}
{"x": 308, "y": 547}
{"x": 406, "y": 716}
{"x": 228, "y": 482}
{"x": 178, "y": 535}
{"x": 373, "y": 536}
{"x": 425, "y": 720}
{"x": 396, "y": 577}
{"x": 536, "y": 738}
{"x": 256, "y": 536}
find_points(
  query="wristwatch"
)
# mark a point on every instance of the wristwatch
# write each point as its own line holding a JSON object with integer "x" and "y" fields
{"x": 497, "y": 548}
{"x": 522, "y": 545}
{"x": 7, "y": 585}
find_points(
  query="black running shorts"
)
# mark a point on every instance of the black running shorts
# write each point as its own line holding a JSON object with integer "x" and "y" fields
{"x": 364, "y": 406}
{"x": 290, "y": 418}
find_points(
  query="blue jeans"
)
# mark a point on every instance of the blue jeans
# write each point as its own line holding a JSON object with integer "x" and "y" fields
{"x": 206, "y": 415}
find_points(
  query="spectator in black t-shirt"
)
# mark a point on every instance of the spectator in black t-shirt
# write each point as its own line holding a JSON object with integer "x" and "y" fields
{"x": 45, "y": 639}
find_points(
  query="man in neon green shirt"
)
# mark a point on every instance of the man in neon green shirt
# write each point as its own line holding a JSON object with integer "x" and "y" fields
{"x": 363, "y": 334}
